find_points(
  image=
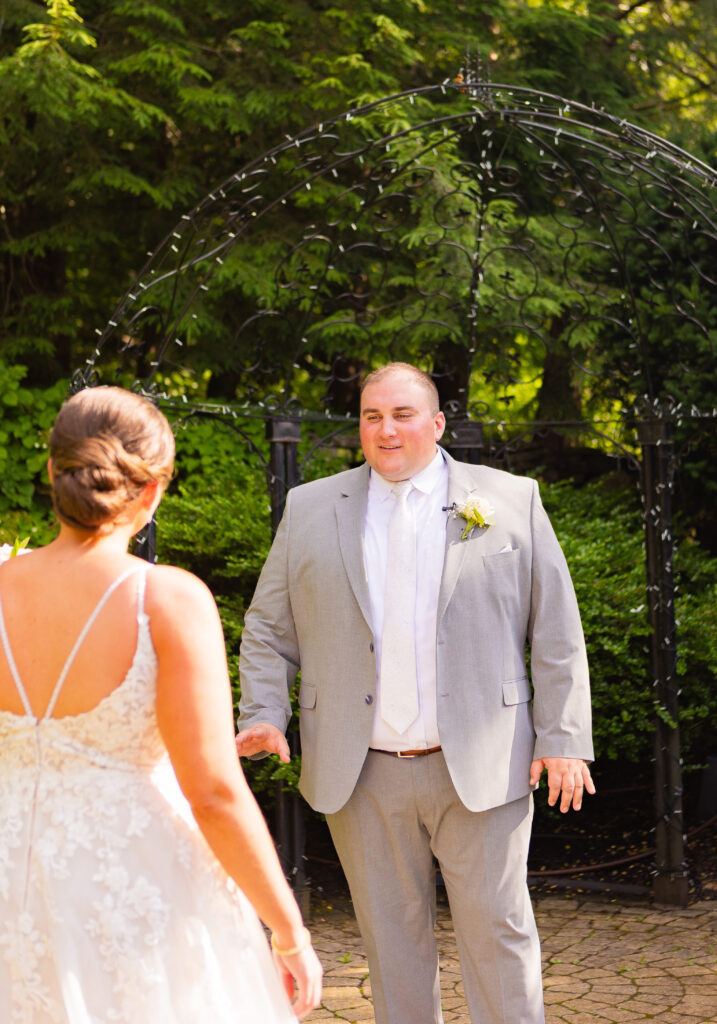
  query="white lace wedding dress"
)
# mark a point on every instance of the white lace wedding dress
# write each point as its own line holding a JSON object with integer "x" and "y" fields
{"x": 112, "y": 906}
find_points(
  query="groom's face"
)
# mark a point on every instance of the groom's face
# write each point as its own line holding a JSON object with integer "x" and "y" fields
{"x": 399, "y": 426}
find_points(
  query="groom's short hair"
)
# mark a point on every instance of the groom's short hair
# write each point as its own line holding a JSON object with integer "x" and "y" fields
{"x": 420, "y": 376}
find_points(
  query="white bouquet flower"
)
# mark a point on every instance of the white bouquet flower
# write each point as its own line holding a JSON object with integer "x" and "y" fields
{"x": 12, "y": 550}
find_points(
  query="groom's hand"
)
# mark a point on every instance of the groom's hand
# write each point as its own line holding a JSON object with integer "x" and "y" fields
{"x": 262, "y": 738}
{"x": 568, "y": 776}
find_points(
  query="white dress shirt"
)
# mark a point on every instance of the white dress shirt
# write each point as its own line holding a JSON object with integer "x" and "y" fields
{"x": 427, "y": 497}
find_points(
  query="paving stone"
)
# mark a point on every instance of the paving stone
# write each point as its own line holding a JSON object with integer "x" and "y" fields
{"x": 622, "y": 1015}
{"x": 611, "y": 985}
{"x": 691, "y": 969}
{"x": 677, "y": 1018}
{"x": 364, "y": 1013}
{"x": 586, "y": 1004}
{"x": 697, "y": 1004}
{"x": 589, "y": 1018}
{"x": 457, "y": 1003}
{"x": 553, "y": 999}
{"x": 334, "y": 992}
{"x": 339, "y": 981}
{"x": 562, "y": 967}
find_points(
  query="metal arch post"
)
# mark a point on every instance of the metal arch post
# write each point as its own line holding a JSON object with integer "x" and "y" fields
{"x": 465, "y": 441}
{"x": 671, "y": 882}
{"x": 145, "y": 543}
{"x": 284, "y": 436}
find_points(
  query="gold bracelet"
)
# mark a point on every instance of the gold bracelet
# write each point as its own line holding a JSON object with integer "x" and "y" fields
{"x": 295, "y": 949}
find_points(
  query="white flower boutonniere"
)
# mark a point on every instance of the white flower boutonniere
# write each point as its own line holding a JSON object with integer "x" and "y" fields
{"x": 475, "y": 510}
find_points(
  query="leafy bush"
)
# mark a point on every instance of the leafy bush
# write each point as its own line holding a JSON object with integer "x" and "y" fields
{"x": 600, "y": 529}
{"x": 215, "y": 519}
{"x": 26, "y": 415}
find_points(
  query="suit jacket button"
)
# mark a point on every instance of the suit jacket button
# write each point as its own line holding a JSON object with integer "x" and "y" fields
{"x": 368, "y": 698}
{"x": 370, "y": 647}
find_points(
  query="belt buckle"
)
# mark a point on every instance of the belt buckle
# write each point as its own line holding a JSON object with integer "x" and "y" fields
{"x": 400, "y": 753}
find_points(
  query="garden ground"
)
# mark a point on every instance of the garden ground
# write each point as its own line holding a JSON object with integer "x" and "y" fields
{"x": 606, "y": 961}
{"x": 610, "y": 955}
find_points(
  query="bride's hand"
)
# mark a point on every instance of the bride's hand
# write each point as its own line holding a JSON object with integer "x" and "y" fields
{"x": 303, "y": 971}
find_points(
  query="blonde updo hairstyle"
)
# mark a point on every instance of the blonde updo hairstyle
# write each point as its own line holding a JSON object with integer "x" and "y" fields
{"x": 106, "y": 445}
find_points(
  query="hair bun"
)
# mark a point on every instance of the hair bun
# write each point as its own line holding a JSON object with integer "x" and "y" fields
{"x": 106, "y": 445}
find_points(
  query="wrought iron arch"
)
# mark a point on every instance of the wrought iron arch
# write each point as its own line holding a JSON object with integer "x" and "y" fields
{"x": 503, "y": 191}
{"x": 499, "y": 236}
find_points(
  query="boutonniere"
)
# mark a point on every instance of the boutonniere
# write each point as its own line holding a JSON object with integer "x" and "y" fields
{"x": 475, "y": 510}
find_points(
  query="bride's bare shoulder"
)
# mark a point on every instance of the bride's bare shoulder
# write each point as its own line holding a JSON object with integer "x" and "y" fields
{"x": 26, "y": 562}
{"x": 173, "y": 592}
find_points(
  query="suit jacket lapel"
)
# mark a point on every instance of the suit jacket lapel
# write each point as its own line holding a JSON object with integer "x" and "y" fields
{"x": 459, "y": 486}
{"x": 350, "y": 515}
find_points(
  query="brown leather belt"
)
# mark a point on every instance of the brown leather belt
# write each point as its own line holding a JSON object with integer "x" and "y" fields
{"x": 407, "y": 753}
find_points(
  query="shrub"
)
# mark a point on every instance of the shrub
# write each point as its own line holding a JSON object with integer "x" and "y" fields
{"x": 26, "y": 415}
{"x": 600, "y": 529}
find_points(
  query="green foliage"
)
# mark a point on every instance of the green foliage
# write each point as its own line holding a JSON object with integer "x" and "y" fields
{"x": 600, "y": 529}
{"x": 573, "y": 50}
{"x": 26, "y": 415}
{"x": 215, "y": 522}
{"x": 215, "y": 518}
{"x": 116, "y": 117}
{"x": 672, "y": 59}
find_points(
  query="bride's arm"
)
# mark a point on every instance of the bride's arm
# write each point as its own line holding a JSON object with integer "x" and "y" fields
{"x": 194, "y": 711}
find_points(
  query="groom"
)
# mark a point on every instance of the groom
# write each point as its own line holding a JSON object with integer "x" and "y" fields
{"x": 421, "y": 734}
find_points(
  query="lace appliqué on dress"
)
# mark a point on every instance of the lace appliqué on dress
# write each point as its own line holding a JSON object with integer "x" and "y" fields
{"x": 113, "y": 909}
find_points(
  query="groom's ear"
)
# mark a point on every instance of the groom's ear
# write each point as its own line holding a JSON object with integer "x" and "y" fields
{"x": 439, "y": 425}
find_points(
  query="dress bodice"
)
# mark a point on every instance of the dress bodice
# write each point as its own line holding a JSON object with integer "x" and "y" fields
{"x": 118, "y": 733}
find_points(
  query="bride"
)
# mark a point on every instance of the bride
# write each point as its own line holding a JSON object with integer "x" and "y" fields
{"x": 131, "y": 849}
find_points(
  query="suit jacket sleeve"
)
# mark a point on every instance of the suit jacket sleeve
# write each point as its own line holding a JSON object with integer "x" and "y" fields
{"x": 558, "y": 660}
{"x": 269, "y": 652}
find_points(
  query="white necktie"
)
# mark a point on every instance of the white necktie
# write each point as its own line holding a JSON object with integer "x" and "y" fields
{"x": 398, "y": 688}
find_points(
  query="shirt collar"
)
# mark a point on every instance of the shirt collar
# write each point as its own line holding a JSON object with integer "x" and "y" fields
{"x": 425, "y": 481}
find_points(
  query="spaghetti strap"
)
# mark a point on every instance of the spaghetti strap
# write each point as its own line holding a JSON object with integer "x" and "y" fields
{"x": 13, "y": 667}
{"x": 141, "y": 590}
{"x": 80, "y": 639}
{"x": 78, "y": 643}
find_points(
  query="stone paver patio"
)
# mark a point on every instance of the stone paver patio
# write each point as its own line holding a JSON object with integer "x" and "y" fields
{"x": 604, "y": 963}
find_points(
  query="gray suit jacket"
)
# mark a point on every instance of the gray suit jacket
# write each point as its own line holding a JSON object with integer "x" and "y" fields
{"x": 501, "y": 586}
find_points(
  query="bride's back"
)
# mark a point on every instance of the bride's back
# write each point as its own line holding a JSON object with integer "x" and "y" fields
{"x": 113, "y": 906}
{"x": 46, "y": 603}
{"x": 111, "y": 455}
